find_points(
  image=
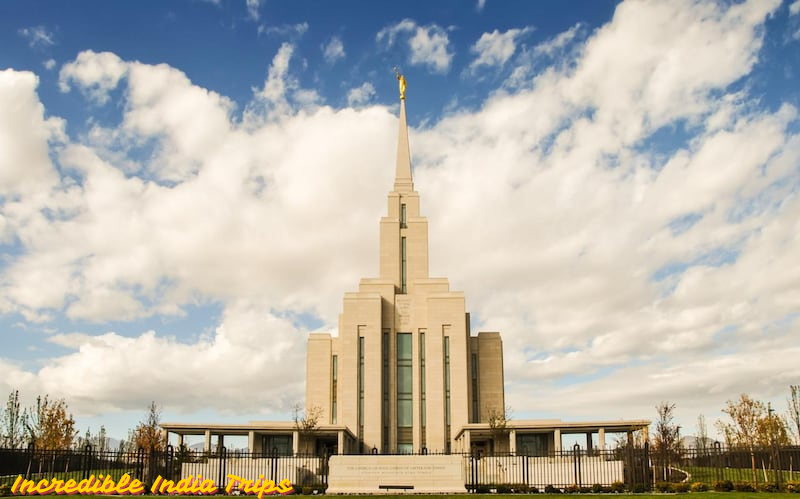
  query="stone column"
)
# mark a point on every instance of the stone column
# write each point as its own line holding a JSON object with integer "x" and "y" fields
{"x": 251, "y": 441}
{"x": 295, "y": 442}
{"x": 512, "y": 441}
{"x": 207, "y": 445}
{"x": 557, "y": 440}
{"x": 588, "y": 441}
{"x": 601, "y": 438}
{"x": 340, "y": 442}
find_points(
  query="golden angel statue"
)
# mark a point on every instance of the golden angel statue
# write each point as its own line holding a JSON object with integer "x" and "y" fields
{"x": 402, "y": 83}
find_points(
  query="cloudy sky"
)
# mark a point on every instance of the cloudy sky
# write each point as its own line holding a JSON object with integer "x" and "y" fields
{"x": 187, "y": 189}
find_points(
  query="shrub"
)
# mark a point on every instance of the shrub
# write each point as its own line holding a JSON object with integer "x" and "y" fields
{"x": 699, "y": 487}
{"x": 597, "y": 488}
{"x": 744, "y": 487}
{"x": 533, "y": 490}
{"x": 681, "y": 487}
{"x": 793, "y": 486}
{"x": 768, "y": 487}
{"x": 549, "y": 489}
{"x": 307, "y": 490}
{"x": 504, "y": 489}
{"x": 483, "y": 489}
{"x": 617, "y": 487}
{"x": 572, "y": 489}
{"x": 664, "y": 487}
{"x": 723, "y": 486}
{"x": 522, "y": 488}
{"x": 639, "y": 488}
{"x": 5, "y": 489}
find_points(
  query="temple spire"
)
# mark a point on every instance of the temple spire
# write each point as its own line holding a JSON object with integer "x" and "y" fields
{"x": 402, "y": 179}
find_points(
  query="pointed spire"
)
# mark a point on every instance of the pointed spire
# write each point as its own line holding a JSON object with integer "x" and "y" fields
{"x": 402, "y": 179}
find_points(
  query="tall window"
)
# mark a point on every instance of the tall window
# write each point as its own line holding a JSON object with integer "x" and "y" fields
{"x": 334, "y": 383}
{"x": 385, "y": 389}
{"x": 403, "y": 265}
{"x": 404, "y": 394}
{"x": 403, "y": 216}
{"x": 361, "y": 391}
{"x": 447, "y": 390}
{"x": 475, "y": 404}
{"x": 422, "y": 415}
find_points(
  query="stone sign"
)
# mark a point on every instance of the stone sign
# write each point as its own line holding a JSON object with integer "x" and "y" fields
{"x": 377, "y": 474}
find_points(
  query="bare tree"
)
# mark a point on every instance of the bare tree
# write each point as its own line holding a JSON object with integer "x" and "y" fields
{"x": 498, "y": 424}
{"x": 307, "y": 422}
{"x": 148, "y": 434}
{"x": 13, "y": 423}
{"x": 667, "y": 439}
{"x": 793, "y": 411}
{"x": 702, "y": 433}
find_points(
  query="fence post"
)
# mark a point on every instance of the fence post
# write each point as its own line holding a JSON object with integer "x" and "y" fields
{"x": 221, "y": 475}
{"x": 576, "y": 461}
{"x": 170, "y": 455}
{"x": 86, "y": 461}
{"x": 31, "y": 453}
{"x": 718, "y": 461}
{"x": 140, "y": 464}
{"x": 647, "y": 479}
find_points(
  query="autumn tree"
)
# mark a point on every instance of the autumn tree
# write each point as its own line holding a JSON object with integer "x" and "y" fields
{"x": 12, "y": 434}
{"x": 48, "y": 424}
{"x": 148, "y": 434}
{"x": 667, "y": 445}
{"x": 742, "y": 430}
{"x": 793, "y": 411}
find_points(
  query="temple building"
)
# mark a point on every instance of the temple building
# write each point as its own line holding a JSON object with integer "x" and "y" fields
{"x": 404, "y": 374}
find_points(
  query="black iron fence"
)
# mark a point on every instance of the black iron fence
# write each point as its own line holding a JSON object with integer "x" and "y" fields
{"x": 628, "y": 468}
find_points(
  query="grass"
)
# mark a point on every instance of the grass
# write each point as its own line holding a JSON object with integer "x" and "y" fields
{"x": 709, "y": 474}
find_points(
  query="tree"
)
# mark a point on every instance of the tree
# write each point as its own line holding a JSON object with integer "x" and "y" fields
{"x": 498, "y": 424}
{"x": 13, "y": 423}
{"x": 48, "y": 425}
{"x": 667, "y": 445}
{"x": 306, "y": 421}
{"x": 147, "y": 434}
{"x": 702, "y": 440}
{"x": 772, "y": 430}
{"x": 742, "y": 431}
{"x": 793, "y": 411}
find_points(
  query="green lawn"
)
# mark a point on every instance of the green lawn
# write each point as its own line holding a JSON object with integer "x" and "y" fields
{"x": 709, "y": 475}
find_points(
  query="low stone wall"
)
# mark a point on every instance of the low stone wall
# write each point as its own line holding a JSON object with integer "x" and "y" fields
{"x": 377, "y": 474}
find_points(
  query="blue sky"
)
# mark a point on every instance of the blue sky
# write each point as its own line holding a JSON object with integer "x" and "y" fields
{"x": 187, "y": 189}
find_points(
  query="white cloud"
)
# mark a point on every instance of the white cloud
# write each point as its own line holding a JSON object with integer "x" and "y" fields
{"x": 49, "y": 64}
{"x": 428, "y": 45}
{"x": 293, "y": 31}
{"x": 37, "y": 36}
{"x": 495, "y": 49}
{"x": 480, "y": 5}
{"x": 360, "y": 95}
{"x": 556, "y": 43}
{"x": 25, "y": 166}
{"x": 794, "y": 8}
{"x": 333, "y": 50}
{"x": 95, "y": 73}
{"x": 252, "y": 9}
